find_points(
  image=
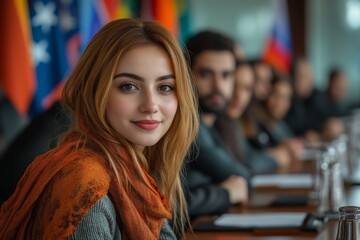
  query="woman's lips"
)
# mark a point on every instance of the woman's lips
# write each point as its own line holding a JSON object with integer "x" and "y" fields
{"x": 147, "y": 124}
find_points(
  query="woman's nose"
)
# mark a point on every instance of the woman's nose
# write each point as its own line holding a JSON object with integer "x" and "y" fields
{"x": 149, "y": 103}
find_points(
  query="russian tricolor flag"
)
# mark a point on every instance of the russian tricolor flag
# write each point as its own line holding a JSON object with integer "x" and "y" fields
{"x": 278, "y": 49}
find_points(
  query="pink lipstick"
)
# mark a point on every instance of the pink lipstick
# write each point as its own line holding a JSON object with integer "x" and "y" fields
{"x": 147, "y": 124}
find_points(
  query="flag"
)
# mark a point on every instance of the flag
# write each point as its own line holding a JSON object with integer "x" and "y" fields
{"x": 17, "y": 77}
{"x": 184, "y": 19}
{"x": 127, "y": 9}
{"x": 164, "y": 12}
{"x": 94, "y": 14}
{"x": 278, "y": 49}
{"x": 173, "y": 14}
{"x": 43, "y": 39}
{"x": 55, "y": 44}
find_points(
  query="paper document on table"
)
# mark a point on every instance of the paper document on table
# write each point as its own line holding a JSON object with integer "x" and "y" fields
{"x": 283, "y": 180}
{"x": 261, "y": 220}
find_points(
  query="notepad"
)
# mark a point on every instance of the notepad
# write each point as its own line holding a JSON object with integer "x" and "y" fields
{"x": 261, "y": 220}
{"x": 275, "y": 199}
{"x": 288, "y": 223}
{"x": 283, "y": 180}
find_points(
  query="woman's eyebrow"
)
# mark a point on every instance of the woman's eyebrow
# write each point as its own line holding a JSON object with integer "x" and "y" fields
{"x": 165, "y": 77}
{"x": 129, "y": 75}
{"x": 137, "y": 77}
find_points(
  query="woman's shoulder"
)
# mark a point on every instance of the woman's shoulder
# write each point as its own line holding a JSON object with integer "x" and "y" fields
{"x": 77, "y": 184}
{"x": 58, "y": 189}
{"x": 68, "y": 173}
{"x": 65, "y": 156}
{"x": 82, "y": 166}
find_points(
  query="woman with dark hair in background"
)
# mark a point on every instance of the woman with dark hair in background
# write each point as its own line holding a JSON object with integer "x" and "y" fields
{"x": 271, "y": 118}
{"x": 263, "y": 74}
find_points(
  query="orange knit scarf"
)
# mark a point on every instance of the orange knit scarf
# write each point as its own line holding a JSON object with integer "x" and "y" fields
{"x": 60, "y": 186}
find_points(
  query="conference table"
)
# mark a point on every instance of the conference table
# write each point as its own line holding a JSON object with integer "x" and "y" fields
{"x": 328, "y": 232}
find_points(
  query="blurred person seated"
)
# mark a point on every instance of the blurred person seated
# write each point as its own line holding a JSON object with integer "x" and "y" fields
{"x": 335, "y": 93}
{"x": 215, "y": 178}
{"x": 333, "y": 105}
{"x": 271, "y": 120}
{"x": 39, "y": 136}
{"x": 307, "y": 116}
{"x": 263, "y": 76}
{"x": 228, "y": 124}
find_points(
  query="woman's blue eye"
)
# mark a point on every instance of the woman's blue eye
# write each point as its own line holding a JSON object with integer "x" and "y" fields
{"x": 166, "y": 88}
{"x": 128, "y": 87}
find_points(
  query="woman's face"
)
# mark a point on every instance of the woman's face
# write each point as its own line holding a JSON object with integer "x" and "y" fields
{"x": 143, "y": 102}
{"x": 279, "y": 100}
{"x": 244, "y": 84}
{"x": 263, "y": 81}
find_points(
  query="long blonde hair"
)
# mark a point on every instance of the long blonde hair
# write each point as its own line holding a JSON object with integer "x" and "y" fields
{"x": 86, "y": 94}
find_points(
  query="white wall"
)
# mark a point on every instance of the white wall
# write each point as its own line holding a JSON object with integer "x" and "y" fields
{"x": 247, "y": 21}
{"x": 331, "y": 42}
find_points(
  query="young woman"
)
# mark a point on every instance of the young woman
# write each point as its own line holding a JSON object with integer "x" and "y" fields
{"x": 228, "y": 125}
{"x": 116, "y": 174}
{"x": 271, "y": 118}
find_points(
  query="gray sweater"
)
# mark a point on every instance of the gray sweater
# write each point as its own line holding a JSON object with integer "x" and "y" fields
{"x": 100, "y": 223}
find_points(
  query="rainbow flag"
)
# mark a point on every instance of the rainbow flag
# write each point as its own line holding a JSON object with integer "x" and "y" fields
{"x": 278, "y": 49}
